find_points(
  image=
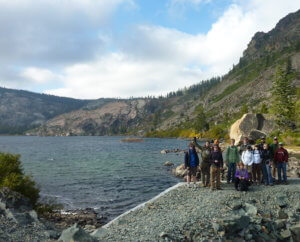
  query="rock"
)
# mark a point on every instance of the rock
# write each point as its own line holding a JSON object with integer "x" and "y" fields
{"x": 163, "y": 152}
{"x": 285, "y": 234}
{"x": 282, "y": 201}
{"x": 282, "y": 214}
{"x": 235, "y": 223}
{"x": 168, "y": 163}
{"x": 280, "y": 223}
{"x": 256, "y": 134}
{"x": 236, "y": 205}
{"x": 295, "y": 232}
{"x": 179, "y": 171}
{"x": 75, "y": 234}
{"x": 251, "y": 125}
{"x": 250, "y": 209}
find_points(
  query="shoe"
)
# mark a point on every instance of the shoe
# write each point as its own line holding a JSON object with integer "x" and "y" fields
{"x": 228, "y": 182}
{"x": 272, "y": 184}
{"x": 219, "y": 188}
{"x": 286, "y": 183}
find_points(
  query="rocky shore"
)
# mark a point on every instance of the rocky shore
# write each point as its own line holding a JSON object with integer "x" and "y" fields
{"x": 197, "y": 214}
{"x": 179, "y": 214}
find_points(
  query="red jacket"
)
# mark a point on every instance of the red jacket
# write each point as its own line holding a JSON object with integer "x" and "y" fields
{"x": 281, "y": 155}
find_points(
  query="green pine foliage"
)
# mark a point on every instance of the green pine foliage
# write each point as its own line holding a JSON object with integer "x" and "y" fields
{"x": 283, "y": 91}
{"x": 13, "y": 177}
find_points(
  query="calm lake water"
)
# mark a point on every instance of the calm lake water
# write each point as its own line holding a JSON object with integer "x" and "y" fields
{"x": 97, "y": 172}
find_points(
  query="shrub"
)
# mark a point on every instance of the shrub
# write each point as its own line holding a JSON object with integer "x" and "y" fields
{"x": 12, "y": 176}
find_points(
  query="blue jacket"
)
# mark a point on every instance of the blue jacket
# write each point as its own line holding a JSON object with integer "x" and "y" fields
{"x": 187, "y": 159}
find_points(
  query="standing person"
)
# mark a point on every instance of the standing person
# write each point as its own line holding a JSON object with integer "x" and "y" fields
{"x": 241, "y": 178}
{"x": 232, "y": 158}
{"x": 247, "y": 159}
{"x": 205, "y": 163}
{"x": 244, "y": 145}
{"x": 256, "y": 167}
{"x": 191, "y": 163}
{"x": 281, "y": 157}
{"x": 262, "y": 142}
{"x": 273, "y": 148}
{"x": 266, "y": 161}
{"x": 216, "y": 159}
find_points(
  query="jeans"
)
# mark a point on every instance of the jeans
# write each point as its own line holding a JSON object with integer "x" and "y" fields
{"x": 231, "y": 171}
{"x": 281, "y": 166}
{"x": 256, "y": 172}
{"x": 267, "y": 173}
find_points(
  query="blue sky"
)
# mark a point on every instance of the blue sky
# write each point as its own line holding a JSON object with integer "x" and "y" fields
{"x": 121, "y": 48}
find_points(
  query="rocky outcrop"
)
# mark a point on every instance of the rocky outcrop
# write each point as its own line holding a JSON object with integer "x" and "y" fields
{"x": 253, "y": 126}
{"x": 75, "y": 234}
{"x": 293, "y": 169}
{"x": 179, "y": 171}
{"x": 19, "y": 222}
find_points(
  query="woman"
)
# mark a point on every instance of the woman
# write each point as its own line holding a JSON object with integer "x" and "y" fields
{"x": 241, "y": 182}
{"x": 247, "y": 159}
{"x": 216, "y": 160}
{"x": 256, "y": 167}
{"x": 266, "y": 156}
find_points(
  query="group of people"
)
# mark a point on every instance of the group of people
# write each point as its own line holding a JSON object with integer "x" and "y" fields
{"x": 258, "y": 164}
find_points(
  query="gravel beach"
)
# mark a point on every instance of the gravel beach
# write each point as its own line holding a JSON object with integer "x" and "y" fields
{"x": 198, "y": 214}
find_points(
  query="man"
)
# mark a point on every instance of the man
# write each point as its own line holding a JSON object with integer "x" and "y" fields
{"x": 205, "y": 163}
{"x": 232, "y": 158}
{"x": 273, "y": 148}
{"x": 191, "y": 163}
{"x": 281, "y": 157}
{"x": 243, "y": 147}
{"x": 262, "y": 142}
{"x": 216, "y": 160}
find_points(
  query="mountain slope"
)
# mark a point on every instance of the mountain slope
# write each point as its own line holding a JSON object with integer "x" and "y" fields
{"x": 22, "y": 110}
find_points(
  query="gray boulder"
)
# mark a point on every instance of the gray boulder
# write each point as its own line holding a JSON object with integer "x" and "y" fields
{"x": 16, "y": 207}
{"x": 251, "y": 125}
{"x": 75, "y": 234}
{"x": 295, "y": 232}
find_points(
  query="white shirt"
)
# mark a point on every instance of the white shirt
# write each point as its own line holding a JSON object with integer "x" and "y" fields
{"x": 247, "y": 157}
{"x": 257, "y": 157}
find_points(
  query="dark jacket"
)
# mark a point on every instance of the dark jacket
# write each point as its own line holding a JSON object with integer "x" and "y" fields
{"x": 266, "y": 156}
{"x": 281, "y": 155}
{"x": 187, "y": 158}
{"x": 216, "y": 158}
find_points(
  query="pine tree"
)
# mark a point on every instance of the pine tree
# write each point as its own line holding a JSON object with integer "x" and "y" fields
{"x": 283, "y": 92}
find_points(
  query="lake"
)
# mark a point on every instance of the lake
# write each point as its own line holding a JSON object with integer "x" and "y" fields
{"x": 96, "y": 172}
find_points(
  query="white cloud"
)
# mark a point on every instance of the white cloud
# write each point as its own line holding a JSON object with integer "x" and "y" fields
{"x": 39, "y": 75}
{"x": 155, "y": 60}
{"x": 148, "y": 60}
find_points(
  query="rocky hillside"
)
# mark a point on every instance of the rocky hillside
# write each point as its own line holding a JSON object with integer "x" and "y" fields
{"x": 22, "y": 110}
{"x": 219, "y": 99}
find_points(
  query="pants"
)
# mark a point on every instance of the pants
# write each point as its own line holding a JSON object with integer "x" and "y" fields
{"x": 281, "y": 166}
{"x": 205, "y": 174}
{"x": 231, "y": 172}
{"x": 215, "y": 178}
{"x": 256, "y": 172}
{"x": 267, "y": 174}
{"x": 249, "y": 169}
{"x": 241, "y": 184}
{"x": 274, "y": 170}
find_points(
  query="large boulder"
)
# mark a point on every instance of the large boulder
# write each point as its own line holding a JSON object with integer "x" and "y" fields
{"x": 16, "y": 207}
{"x": 180, "y": 171}
{"x": 252, "y": 126}
{"x": 75, "y": 234}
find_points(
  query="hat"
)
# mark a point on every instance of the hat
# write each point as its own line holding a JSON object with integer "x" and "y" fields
{"x": 275, "y": 138}
{"x": 263, "y": 137}
{"x": 280, "y": 143}
{"x": 248, "y": 147}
